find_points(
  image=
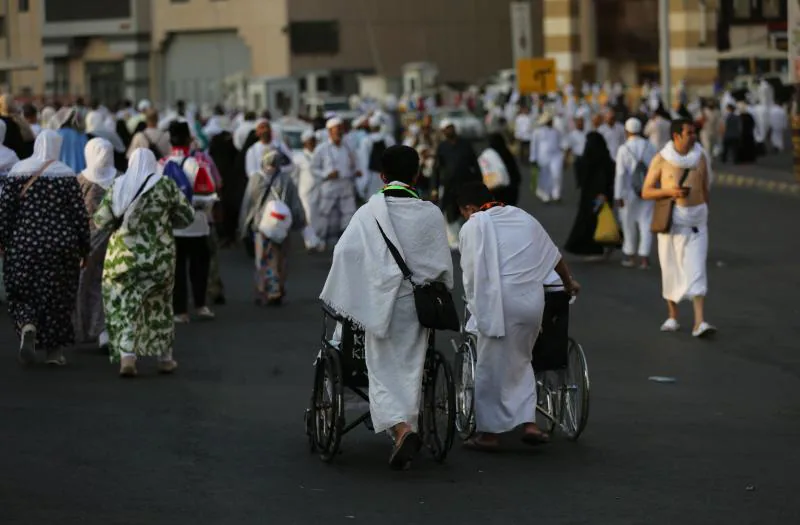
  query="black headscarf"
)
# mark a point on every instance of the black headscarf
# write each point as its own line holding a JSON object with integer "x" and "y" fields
{"x": 595, "y": 168}
{"x": 509, "y": 195}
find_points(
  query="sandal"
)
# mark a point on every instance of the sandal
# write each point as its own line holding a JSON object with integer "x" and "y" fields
{"x": 480, "y": 445}
{"x": 536, "y": 438}
{"x": 404, "y": 450}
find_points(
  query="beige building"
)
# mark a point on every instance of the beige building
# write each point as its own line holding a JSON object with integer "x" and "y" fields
{"x": 171, "y": 49}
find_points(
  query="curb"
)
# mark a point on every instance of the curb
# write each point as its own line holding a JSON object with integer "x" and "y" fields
{"x": 772, "y": 186}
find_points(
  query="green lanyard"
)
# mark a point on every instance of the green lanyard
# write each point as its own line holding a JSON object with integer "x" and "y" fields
{"x": 402, "y": 188}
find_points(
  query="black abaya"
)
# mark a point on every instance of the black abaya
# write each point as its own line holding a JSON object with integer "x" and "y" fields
{"x": 596, "y": 177}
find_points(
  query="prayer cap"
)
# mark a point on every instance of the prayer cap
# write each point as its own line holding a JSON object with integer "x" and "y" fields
{"x": 307, "y": 135}
{"x": 446, "y": 123}
{"x": 633, "y": 125}
{"x": 375, "y": 121}
{"x": 333, "y": 122}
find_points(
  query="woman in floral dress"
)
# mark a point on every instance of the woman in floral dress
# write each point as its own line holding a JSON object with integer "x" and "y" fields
{"x": 44, "y": 230}
{"x": 142, "y": 208}
{"x": 95, "y": 181}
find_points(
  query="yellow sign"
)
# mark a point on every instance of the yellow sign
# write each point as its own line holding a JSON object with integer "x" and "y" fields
{"x": 536, "y": 75}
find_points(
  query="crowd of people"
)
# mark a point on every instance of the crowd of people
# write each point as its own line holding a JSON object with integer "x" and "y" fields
{"x": 111, "y": 226}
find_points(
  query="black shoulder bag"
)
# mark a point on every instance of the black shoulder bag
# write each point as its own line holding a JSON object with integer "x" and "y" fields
{"x": 434, "y": 303}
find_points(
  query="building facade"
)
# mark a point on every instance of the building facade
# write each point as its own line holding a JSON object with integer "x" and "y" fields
{"x": 21, "y": 50}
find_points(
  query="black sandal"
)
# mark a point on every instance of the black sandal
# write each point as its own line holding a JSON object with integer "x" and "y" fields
{"x": 404, "y": 451}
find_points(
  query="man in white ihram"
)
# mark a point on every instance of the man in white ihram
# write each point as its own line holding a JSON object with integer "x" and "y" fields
{"x": 547, "y": 152}
{"x": 635, "y": 213}
{"x": 506, "y": 257}
{"x": 682, "y": 251}
{"x": 366, "y": 286}
{"x": 369, "y": 156}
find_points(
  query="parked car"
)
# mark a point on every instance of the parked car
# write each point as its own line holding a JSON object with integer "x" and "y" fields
{"x": 467, "y": 125}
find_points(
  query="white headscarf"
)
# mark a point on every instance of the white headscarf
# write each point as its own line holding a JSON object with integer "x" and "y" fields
{"x": 46, "y": 148}
{"x": 141, "y": 165}
{"x": 96, "y": 125}
{"x": 7, "y": 156}
{"x": 100, "y": 162}
{"x": 65, "y": 115}
{"x": 46, "y": 117}
{"x": 216, "y": 125}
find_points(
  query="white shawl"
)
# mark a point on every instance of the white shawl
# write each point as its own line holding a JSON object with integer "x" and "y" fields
{"x": 47, "y": 148}
{"x": 688, "y": 161}
{"x": 99, "y": 162}
{"x": 142, "y": 164}
{"x": 480, "y": 262}
{"x": 7, "y": 156}
{"x": 96, "y": 125}
{"x": 364, "y": 280}
{"x": 503, "y": 247}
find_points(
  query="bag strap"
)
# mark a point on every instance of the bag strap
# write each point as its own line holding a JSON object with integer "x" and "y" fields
{"x": 135, "y": 196}
{"x": 396, "y": 255}
{"x": 267, "y": 191}
{"x": 684, "y": 177}
{"x": 34, "y": 178}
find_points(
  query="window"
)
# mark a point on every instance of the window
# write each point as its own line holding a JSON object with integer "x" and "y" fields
{"x": 771, "y": 8}
{"x": 741, "y": 8}
{"x": 61, "y": 11}
{"x": 309, "y": 38}
{"x": 24, "y": 6}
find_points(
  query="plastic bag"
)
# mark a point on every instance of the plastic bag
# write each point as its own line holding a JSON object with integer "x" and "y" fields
{"x": 276, "y": 221}
{"x": 607, "y": 231}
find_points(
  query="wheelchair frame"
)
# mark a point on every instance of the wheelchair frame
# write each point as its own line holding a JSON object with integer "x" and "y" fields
{"x": 341, "y": 367}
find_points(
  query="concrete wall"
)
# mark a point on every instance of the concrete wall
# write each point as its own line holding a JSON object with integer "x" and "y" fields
{"x": 24, "y": 32}
{"x": 468, "y": 39}
{"x": 260, "y": 24}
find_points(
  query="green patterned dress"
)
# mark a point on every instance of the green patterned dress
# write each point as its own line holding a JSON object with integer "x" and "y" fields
{"x": 139, "y": 271}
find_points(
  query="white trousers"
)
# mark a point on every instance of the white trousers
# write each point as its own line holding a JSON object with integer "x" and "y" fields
{"x": 636, "y": 217}
{"x": 551, "y": 172}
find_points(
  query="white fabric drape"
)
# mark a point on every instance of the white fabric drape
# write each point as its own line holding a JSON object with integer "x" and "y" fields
{"x": 100, "y": 162}
{"x": 142, "y": 164}
{"x": 683, "y": 253}
{"x": 47, "y": 148}
{"x": 364, "y": 280}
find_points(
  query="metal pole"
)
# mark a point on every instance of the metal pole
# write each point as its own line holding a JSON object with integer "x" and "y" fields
{"x": 664, "y": 45}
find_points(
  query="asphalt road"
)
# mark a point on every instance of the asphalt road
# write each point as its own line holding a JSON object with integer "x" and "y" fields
{"x": 222, "y": 442}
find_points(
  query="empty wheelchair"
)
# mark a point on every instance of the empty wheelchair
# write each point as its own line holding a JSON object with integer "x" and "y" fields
{"x": 562, "y": 374}
{"x": 341, "y": 366}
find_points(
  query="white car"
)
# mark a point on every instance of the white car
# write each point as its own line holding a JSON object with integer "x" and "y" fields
{"x": 467, "y": 125}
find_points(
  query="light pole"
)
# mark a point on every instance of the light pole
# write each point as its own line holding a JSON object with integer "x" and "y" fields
{"x": 664, "y": 59}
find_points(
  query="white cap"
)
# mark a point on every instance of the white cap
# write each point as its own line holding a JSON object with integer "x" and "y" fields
{"x": 633, "y": 125}
{"x": 446, "y": 123}
{"x": 375, "y": 121}
{"x": 307, "y": 135}
{"x": 143, "y": 105}
{"x": 333, "y": 122}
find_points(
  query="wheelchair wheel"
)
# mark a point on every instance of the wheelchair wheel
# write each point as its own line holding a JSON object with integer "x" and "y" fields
{"x": 326, "y": 416}
{"x": 574, "y": 409}
{"x": 439, "y": 407}
{"x": 547, "y": 388}
{"x": 466, "y": 358}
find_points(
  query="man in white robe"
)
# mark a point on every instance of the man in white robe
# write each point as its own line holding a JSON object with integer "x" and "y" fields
{"x": 635, "y": 213}
{"x": 369, "y": 154}
{"x": 266, "y": 140}
{"x": 336, "y": 168}
{"x": 506, "y": 257}
{"x": 308, "y": 190}
{"x": 613, "y": 132}
{"x": 778, "y": 121}
{"x": 547, "y": 153}
{"x": 682, "y": 251}
{"x": 366, "y": 286}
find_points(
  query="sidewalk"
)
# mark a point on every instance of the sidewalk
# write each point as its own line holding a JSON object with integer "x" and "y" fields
{"x": 773, "y": 173}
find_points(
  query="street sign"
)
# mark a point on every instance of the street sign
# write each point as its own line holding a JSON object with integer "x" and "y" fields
{"x": 536, "y": 75}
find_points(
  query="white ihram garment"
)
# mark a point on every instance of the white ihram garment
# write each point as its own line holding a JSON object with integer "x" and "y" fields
{"x": 777, "y": 123}
{"x": 370, "y": 181}
{"x": 366, "y": 286}
{"x": 682, "y": 253}
{"x": 308, "y": 190}
{"x": 547, "y": 153}
{"x": 506, "y": 256}
{"x": 637, "y": 214}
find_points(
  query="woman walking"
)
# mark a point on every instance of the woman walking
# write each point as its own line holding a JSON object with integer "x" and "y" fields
{"x": 595, "y": 172}
{"x": 95, "y": 181}
{"x": 142, "y": 209}
{"x": 44, "y": 231}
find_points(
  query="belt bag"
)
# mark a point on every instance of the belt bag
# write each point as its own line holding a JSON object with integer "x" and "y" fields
{"x": 433, "y": 301}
